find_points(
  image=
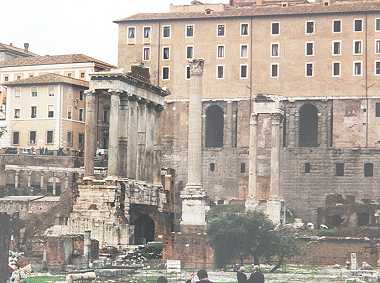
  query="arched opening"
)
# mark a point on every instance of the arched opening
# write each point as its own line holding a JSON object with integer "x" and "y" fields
{"x": 308, "y": 125}
{"x": 144, "y": 230}
{"x": 214, "y": 126}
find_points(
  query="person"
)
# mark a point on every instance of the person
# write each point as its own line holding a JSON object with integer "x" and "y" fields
{"x": 162, "y": 279}
{"x": 257, "y": 276}
{"x": 240, "y": 275}
{"x": 203, "y": 276}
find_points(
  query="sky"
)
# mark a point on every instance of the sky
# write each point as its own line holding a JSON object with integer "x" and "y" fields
{"x": 72, "y": 26}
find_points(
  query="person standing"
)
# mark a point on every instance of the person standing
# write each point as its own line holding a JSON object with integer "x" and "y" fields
{"x": 203, "y": 276}
{"x": 240, "y": 275}
{"x": 257, "y": 276}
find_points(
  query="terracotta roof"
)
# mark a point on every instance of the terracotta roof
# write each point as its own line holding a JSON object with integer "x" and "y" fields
{"x": 265, "y": 10}
{"x": 54, "y": 59}
{"x": 14, "y": 49}
{"x": 49, "y": 78}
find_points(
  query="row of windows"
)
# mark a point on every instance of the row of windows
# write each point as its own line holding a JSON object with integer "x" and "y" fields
{"x": 189, "y": 31}
{"x": 339, "y": 169}
{"x": 212, "y": 167}
{"x": 50, "y": 113}
{"x": 49, "y": 138}
{"x": 34, "y": 91}
{"x": 7, "y": 77}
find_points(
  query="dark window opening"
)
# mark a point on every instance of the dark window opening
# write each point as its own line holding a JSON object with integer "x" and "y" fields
{"x": 377, "y": 109}
{"x": 212, "y": 167}
{"x": 220, "y": 202}
{"x": 242, "y": 168}
{"x": 214, "y": 126}
{"x": 307, "y": 167}
{"x": 339, "y": 169}
{"x": 308, "y": 128}
{"x": 144, "y": 230}
{"x": 368, "y": 170}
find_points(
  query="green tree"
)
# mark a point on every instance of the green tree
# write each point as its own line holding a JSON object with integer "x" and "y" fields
{"x": 236, "y": 234}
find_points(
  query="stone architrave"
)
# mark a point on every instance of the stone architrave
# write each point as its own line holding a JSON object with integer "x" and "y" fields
{"x": 194, "y": 204}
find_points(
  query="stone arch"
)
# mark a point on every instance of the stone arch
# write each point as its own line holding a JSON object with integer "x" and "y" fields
{"x": 308, "y": 126}
{"x": 214, "y": 136}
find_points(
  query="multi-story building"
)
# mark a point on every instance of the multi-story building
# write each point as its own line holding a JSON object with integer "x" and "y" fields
{"x": 321, "y": 57}
{"x": 46, "y": 111}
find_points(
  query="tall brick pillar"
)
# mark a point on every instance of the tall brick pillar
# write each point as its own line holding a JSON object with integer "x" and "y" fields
{"x": 194, "y": 205}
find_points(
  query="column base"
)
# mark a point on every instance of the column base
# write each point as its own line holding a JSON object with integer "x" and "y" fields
{"x": 194, "y": 205}
{"x": 274, "y": 211}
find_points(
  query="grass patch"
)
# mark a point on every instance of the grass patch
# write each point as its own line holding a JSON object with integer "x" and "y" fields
{"x": 46, "y": 279}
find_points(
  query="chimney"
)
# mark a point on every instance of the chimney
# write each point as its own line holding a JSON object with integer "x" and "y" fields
{"x": 26, "y": 47}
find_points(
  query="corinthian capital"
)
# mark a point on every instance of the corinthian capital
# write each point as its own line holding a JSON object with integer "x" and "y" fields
{"x": 196, "y": 67}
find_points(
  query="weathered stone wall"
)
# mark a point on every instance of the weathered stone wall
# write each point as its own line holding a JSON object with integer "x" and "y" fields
{"x": 4, "y": 246}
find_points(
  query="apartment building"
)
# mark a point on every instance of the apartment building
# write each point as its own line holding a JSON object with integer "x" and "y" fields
{"x": 46, "y": 111}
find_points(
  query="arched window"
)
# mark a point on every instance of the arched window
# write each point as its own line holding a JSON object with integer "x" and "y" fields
{"x": 214, "y": 126}
{"x": 308, "y": 125}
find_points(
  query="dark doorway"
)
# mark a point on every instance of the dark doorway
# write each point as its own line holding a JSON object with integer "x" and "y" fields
{"x": 308, "y": 126}
{"x": 214, "y": 126}
{"x": 144, "y": 230}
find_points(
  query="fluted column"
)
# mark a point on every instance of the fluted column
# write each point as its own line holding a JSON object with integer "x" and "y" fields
{"x": 141, "y": 141}
{"x": 113, "y": 144}
{"x": 123, "y": 139}
{"x": 132, "y": 138}
{"x": 275, "y": 158}
{"x": 252, "y": 193}
{"x": 90, "y": 133}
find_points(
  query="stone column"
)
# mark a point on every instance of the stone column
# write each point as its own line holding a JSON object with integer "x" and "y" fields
{"x": 141, "y": 141}
{"x": 149, "y": 143}
{"x": 66, "y": 186}
{"x": 87, "y": 247}
{"x": 132, "y": 138}
{"x": 29, "y": 179}
{"x": 54, "y": 185}
{"x": 90, "y": 133}
{"x": 17, "y": 173}
{"x": 123, "y": 139}
{"x": 42, "y": 184}
{"x": 292, "y": 131}
{"x": 194, "y": 204}
{"x": 113, "y": 144}
{"x": 156, "y": 112}
{"x": 252, "y": 183}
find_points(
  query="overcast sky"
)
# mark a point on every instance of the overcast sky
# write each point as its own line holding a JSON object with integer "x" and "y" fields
{"x": 72, "y": 26}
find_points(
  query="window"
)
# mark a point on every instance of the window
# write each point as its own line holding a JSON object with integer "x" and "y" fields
{"x": 336, "y": 69}
{"x": 49, "y": 137}
{"x": 34, "y": 91}
{"x": 243, "y": 29}
{"x": 147, "y": 31}
{"x": 377, "y": 24}
{"x": 368, "y": 169}
{"x": 32, "y": 137}
{"x": 377, "y": 106}
{"x": 69, "y": 138}
{"x": 214, "y": 126}
{"x": 189, "y": 30}
{"x": 310, "y": 27}
{"x": 336, "y": 48}
{"x": 51, "y": 90}
{"x": 17, "y": 113}
{"x": 358, "y": 25}
{"x": 339, "y": 169}
{"x": 212, "y": 167}
{"x": 307, "y": 167}
{"x": 309, "y": 49}
{"x": 357, "y": 47}
{"x": 220, "y": 30}
{"x": 275, "y": 50}
{"x": 81, "y": 95}
{"x": 357, "y": 68}
{"x": 275, "y": 28}
{"x": 69, "y": 75}
{"x": 50, "y": 111}
{"x": 243, "y": 51}
{"x": 220, "y": 72}
{"x": 81, "y": 114}
{"x": 189, "y": 52}
{"x": 82, "y": 75}
{"x": 6, "y": 78}
{"x": 337, "y": 26}
{"x": 274, "y": 70}
{"x": 166, "y": 31}
{"x": 81, "y": 139}
{"x": 69, "y": 112}
{"x": 33, "y": 112}
{"x": 16, "y": 138}
{"x": 131, "y": 34}
{"x": 146, "y": 53}
{"x": 105, "y": 116}
{"x": 243, "y": 71}
{"x": 165, "y": 73}
{"x": 308, "y": 126}
{"x": 242, "y": 168}
{"x": 17, "y": 92}
{"x": 220, "y": 51}
{"x": 166, "y": 53}
{"x": 377, "y": 67}
{"x": 309, "y": 69}
{"x": 377, "y": 46}
{"x": 188, "y": 73}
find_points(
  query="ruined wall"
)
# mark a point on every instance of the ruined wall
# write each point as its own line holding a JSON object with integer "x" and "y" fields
{"x": 4, "y": 246}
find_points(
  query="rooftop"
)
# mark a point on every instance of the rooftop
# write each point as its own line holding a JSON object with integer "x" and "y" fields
{"x": 15, "y": 50}
{"x": 54, "y": 59}
{"x": 49, "y": 78}
{"x": 353, "y": 6}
